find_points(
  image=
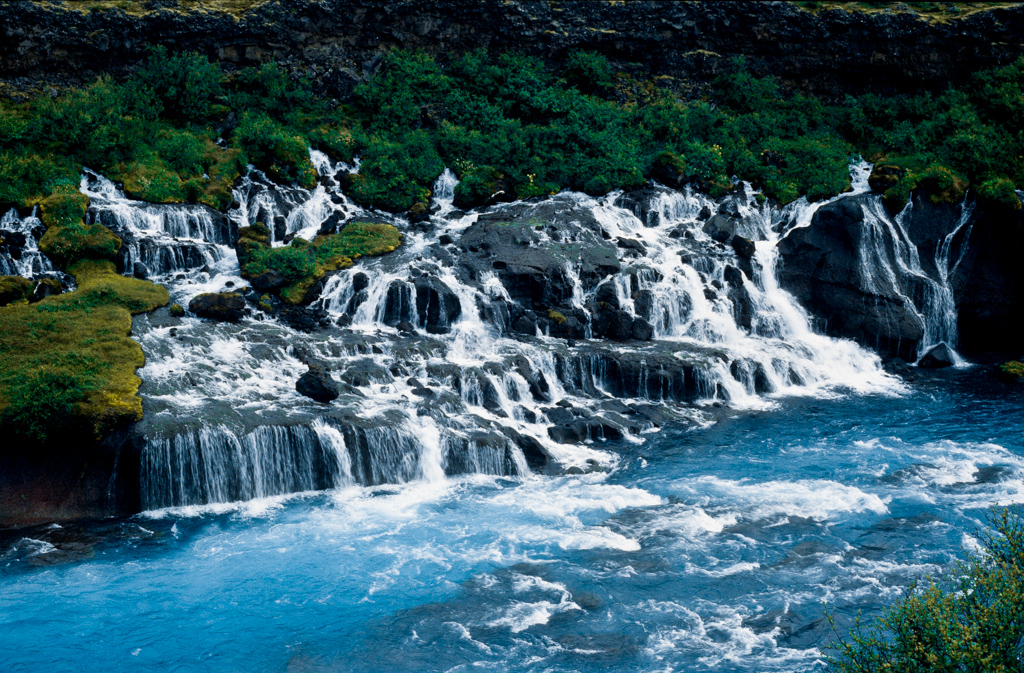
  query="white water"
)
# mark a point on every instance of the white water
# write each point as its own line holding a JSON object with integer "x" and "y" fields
{"x": 465, "y": 400}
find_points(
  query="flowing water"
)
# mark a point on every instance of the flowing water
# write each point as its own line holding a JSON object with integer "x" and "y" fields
{"x": 708, "y": 550}
{"x": 724, "y": 480}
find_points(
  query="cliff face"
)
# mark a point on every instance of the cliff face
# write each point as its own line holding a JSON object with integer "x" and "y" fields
{"x": 338, "y": 42}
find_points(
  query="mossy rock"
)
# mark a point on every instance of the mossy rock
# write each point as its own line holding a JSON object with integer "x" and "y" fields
{"x": 150, "y": 179}
{"x": 298, "y": 266}
{"x": 998, "y": 195}
{"x": 14, "y": 289}
{"x": 176, "y": 310}
{"x": 885, "y": 176}
{"x": 70, "y": 243}
{"x": 67, "y": 363}
{"x": 1011, "y": 372}
{"x": 63, "y": 207}
{"x": 942, "y": 184}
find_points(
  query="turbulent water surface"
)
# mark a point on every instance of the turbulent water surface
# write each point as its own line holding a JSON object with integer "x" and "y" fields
{"x": 714, "y": 551}
{"x": 686, "y": 494}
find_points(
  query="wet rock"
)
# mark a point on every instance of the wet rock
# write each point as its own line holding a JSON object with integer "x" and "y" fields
{"x": 268, "y": 281}
{"x": 317, "y": 384}
{"x": 46, "y": 287}
{"x": 140, "y": 270}
{"x": 360, "y": 281}
{"x": 821, "y": 266}
{"x": 220, "y": 306}
{"x": 436, "y": 305}
{"x": 399, "y": 305}
{"x": 632, "y": 244}
{"x": 937, "y": 357}
{"x": 406, "y": 327}
{"x": 641, "y": 330}
{"x": 744, "y": 247}
{"x": 643, "y": 303}
{"x": 365, "y": 372}
{"x": 419, "y": 212}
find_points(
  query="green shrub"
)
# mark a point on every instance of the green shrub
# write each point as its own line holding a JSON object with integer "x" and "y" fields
{"x": 998, "y": 194}
{"x": 394, "y": 175}
{"x": 589, "y": 71}
{"x": 43, "y": 407}
{"x": 970, "y": 620}
{"x": 268, "y": 145}
{"x": 27, "y": 177}
{"x": 185, "y": 85}
{"x": 294, "y": 262}
{"x": 478, "y": 186}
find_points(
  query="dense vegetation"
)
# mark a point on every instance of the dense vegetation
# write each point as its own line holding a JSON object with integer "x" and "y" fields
{"x": 181, "y": 129}
{"x": 67, "y": 364}
{"x": 291, "y": 271}
{"x": 969, "y": 622}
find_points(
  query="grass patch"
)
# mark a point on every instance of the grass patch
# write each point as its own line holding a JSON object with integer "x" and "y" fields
{"x": 67, "y": 364}
{"x": 302, "y": 263}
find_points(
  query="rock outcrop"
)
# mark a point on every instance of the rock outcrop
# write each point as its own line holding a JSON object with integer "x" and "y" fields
{"x": 338, "y": 43}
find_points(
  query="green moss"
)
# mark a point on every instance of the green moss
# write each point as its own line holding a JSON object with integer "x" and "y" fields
{"x": 151, "y": 179}
{"x": 64, "y": 206}
{"x": 67, "y": 364}
{"x": 942, "y": 184}
{"x": 74, "y": 242}
{"x": 302, "y": 263}
{"x": 998, "y": 195}
{"x": 1012, "y": 371}
{"x": 14, "y": 289}
{"x": 176, "y": 310}
{"x": 556, "y": 316}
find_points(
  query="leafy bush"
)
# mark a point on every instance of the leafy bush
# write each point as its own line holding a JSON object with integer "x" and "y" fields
{"x": 970, "y": 620}
{"x": 998, "y": 194}
{"x": 589, "y": 71}
{"x": 272, "y": 147}
{"x": 393, "y": 176}
{"x": 43, "y": 407}
{"x": 184, "y": 85}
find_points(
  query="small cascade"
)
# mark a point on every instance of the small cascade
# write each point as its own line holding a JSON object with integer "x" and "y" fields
{"x": 503, "y": 341}
{"x": 158, "y": 240}
{"x": 19, "y": 246}
{"x": 890, "y": 265}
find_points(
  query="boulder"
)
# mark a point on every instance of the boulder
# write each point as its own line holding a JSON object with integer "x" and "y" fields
{"x": 268, "y": 281}
{"x": 821, "y": 265}
{"x": 14, "y": 288}
{"x": 46, "y": 287}
{"x": 437, "y": 306}
{"x": 937, "y": 357}
{"x": 220, "y": 306}
{"x": 317, "y": 384}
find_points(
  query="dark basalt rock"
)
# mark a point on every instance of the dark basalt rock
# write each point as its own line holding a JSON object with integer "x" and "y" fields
{"x": 318, "y": 385}
{"x": 744, "y": 247}
{"x": 821, "y": 267}
{"x": 436, "y": 305}
{"x": 268, "y": 281}
{"x": 221, "y": 306}
{"x": 46, "y": 287}
{"x": 937, "y": 357}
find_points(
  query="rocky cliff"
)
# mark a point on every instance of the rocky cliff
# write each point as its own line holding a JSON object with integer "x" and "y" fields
{"x": 338, "y": 42}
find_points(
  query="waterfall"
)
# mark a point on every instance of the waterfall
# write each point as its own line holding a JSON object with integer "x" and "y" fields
{"x": 488, "y": 383}
{"x": 890, "y": 264}
{"x": 19, "y": 246}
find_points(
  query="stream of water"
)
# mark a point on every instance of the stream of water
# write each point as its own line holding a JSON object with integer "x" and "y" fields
{"x": 732, "y": 470}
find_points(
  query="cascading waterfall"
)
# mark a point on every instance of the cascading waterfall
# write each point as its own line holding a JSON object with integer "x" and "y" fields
{"x": 890, "y": 264}
{"x": 19, "y": 246}
{"x": 471, "y": 392}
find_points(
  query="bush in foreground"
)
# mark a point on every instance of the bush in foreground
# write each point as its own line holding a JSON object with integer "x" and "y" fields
{"x": 971, "y": 621}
